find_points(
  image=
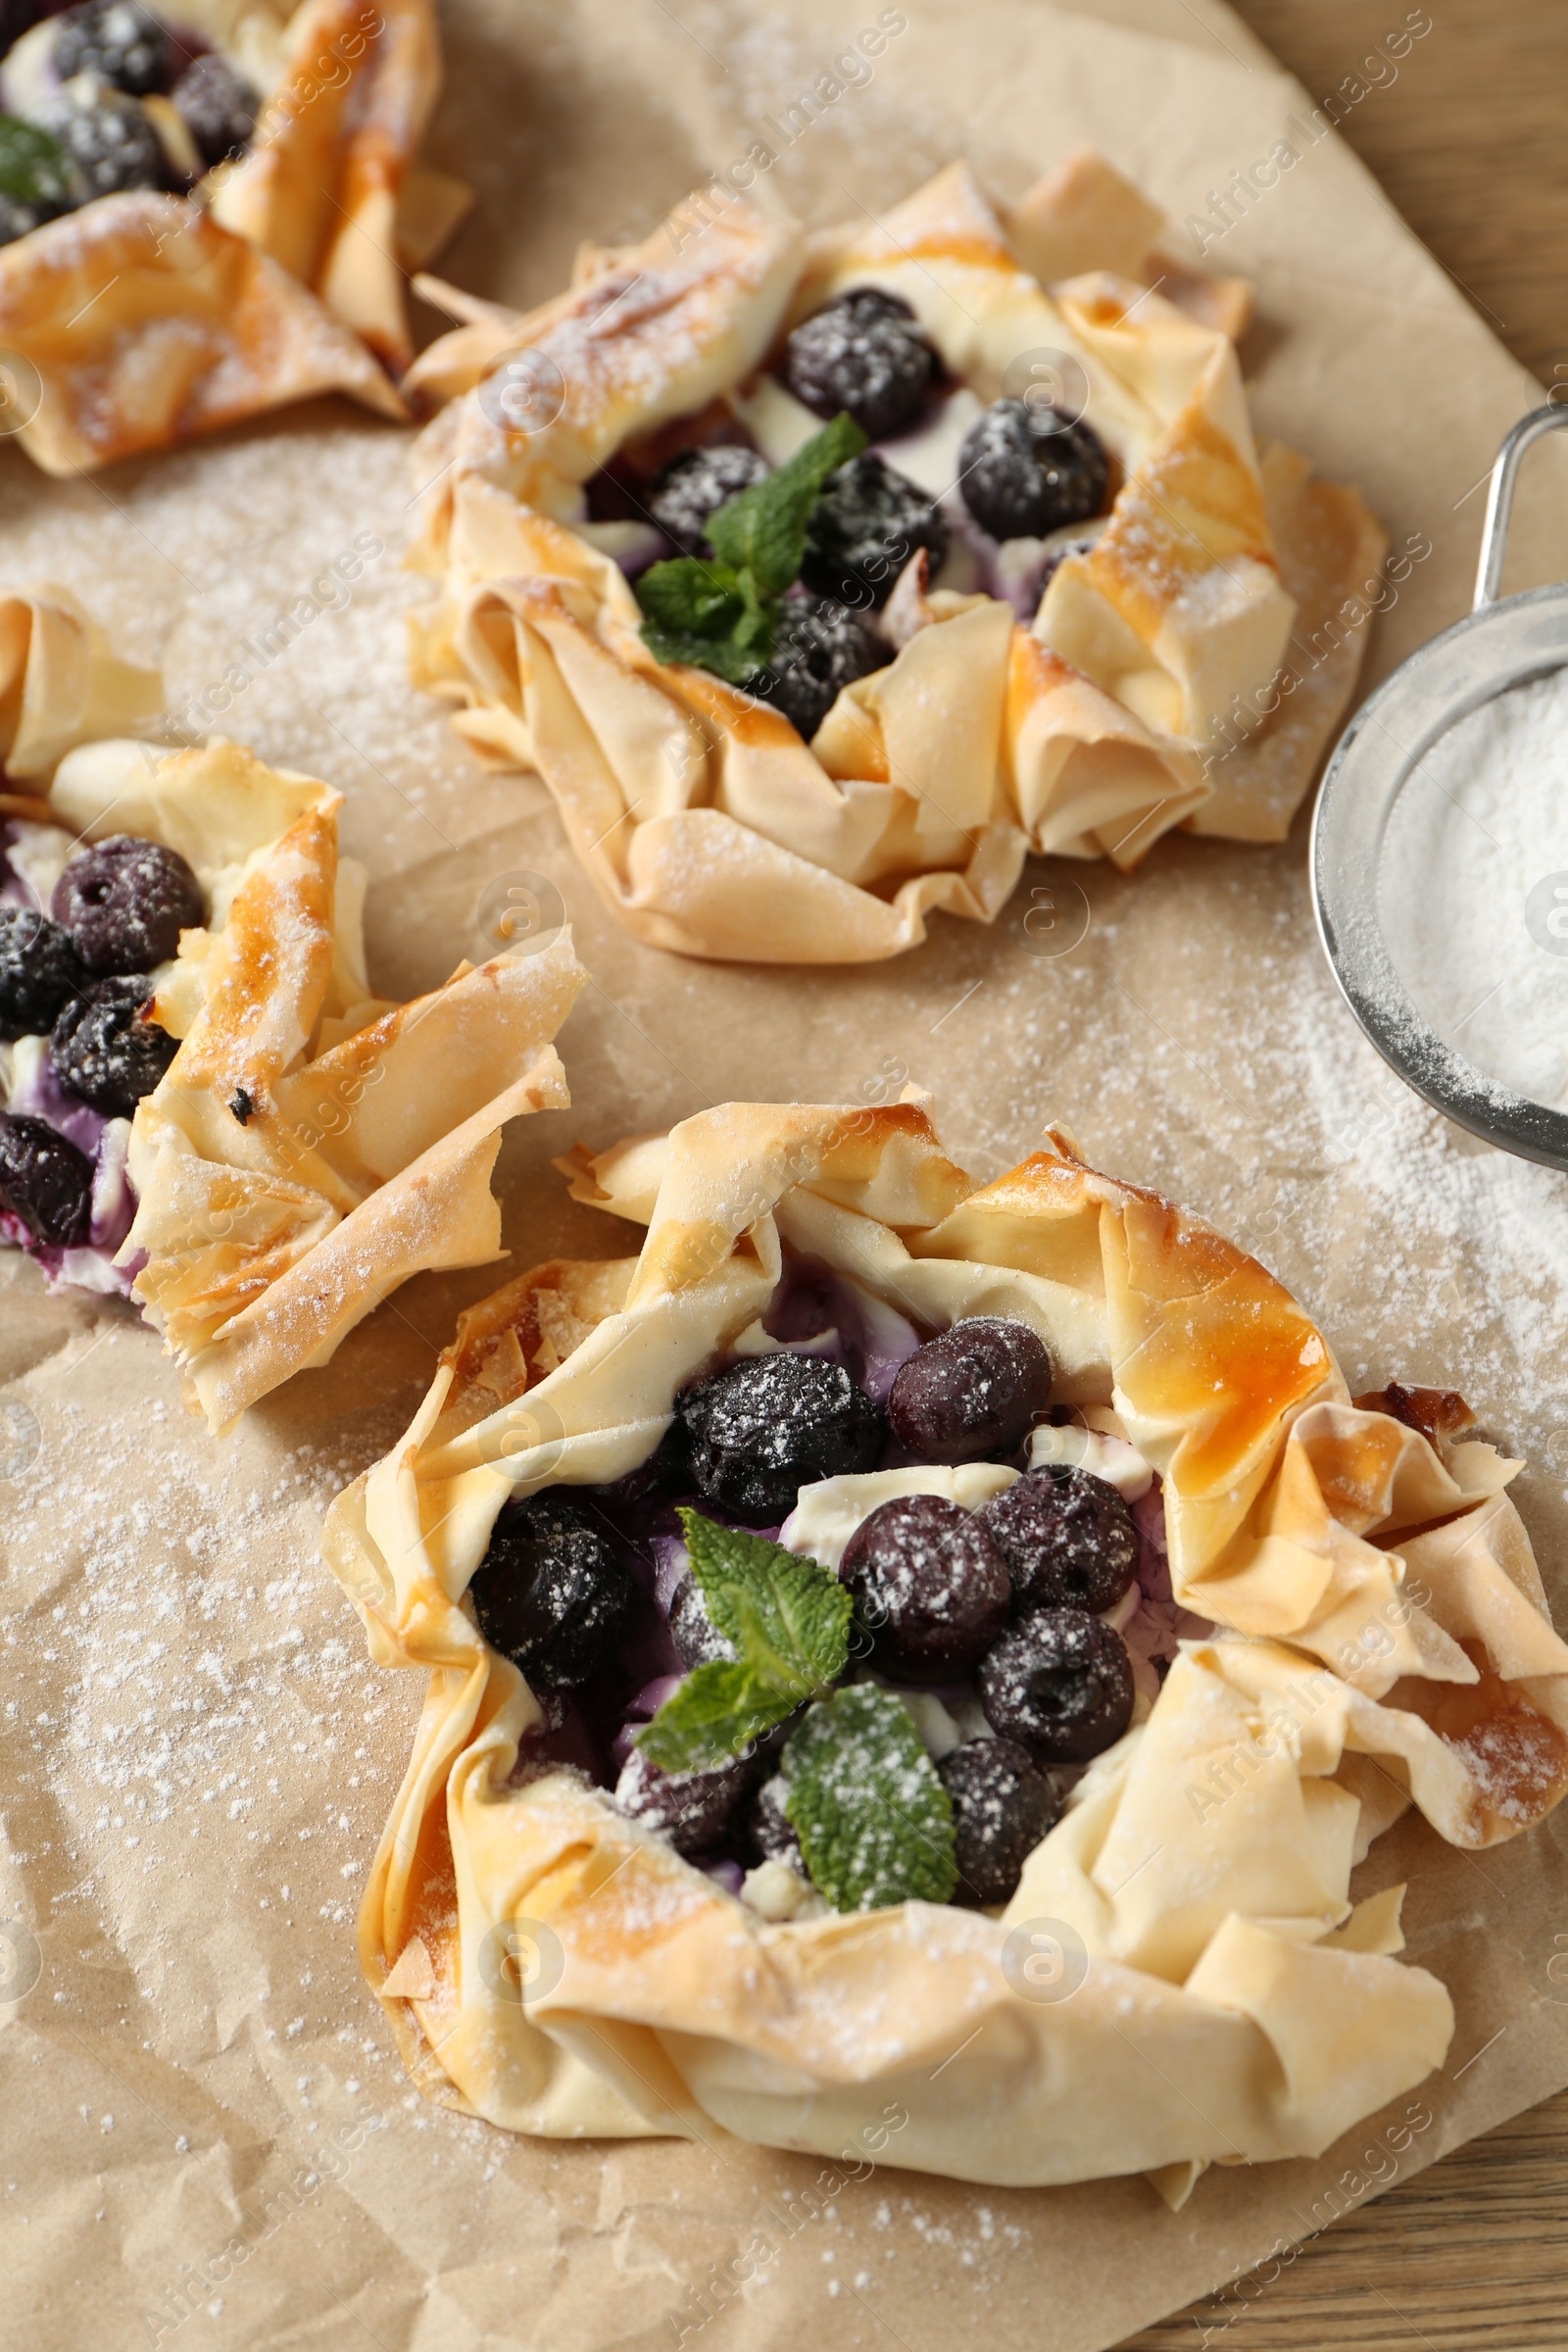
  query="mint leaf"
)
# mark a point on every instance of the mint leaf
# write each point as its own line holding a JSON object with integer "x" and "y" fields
{"x": 723, "y": 615}
{"x": 871, "y": 1814}
{"x": 789, "y": 1621}
{"x": 787, "y": 1618}
{"x": 725, "y": 659}
{"x": 706, "y": 613}
{"x": 762, "y": 530}
{"x": 719, "y": 1709}
{"x": 690, "y": 598}
{"x": 35, "y": 167}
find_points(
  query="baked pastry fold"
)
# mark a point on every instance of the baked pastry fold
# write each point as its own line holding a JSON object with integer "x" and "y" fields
{"x": 311, "y": 1145}
{"x": 322, "y": 191}
{"x": 61, "y": 684}
{"x": 141, "y": 318}
{"x": 139, "y": 321}
{"x": 1381, "y": 1639}
{"x": 1144, "y": 693}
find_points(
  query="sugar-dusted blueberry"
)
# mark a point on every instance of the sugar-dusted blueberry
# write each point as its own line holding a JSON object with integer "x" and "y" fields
{"x": 41, "y": 972}
{"x": 1002, "y": 1805}
{"x": 864, "y": 529}
{"x": 929, "y": 1587}
{"x": 768, "y": 1426}
{"x": 126, "y": 902}
{"x": 1068, "y": 1537}
{"x": 45, "y": 1181}
{"x": 550, "y": 1592}
{"x": 117, "y": 40}
{"x": 772, "y": 1833}
{"x": 697, "y": 1638}
{"x": 1025, "y": 470}
{"x": 108, "y": 138}
{"x": 819, "y": 647}
{"x": 1059, "y": 1683}
{"x": 973, "y": 1394}
{"x": 694, "y": 1809}
{"x": 105, "y": 1051}
{"x": 685, "y": 494}
{"x": 217, "y": 107}
{"x": 865, "y": 353}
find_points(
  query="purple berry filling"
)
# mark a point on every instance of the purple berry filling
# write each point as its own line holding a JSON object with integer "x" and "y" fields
{"x": 726, "y": 1822}
{"x": 38, "y": 1094}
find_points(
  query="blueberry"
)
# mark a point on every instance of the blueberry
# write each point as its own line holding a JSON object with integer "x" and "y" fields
{"x": 929, "y": 1586}
{"x": 108, "y": 140}
{"x": 1068, "y": 1537}
{"x": 644, "y": 1494}
{"x": 1025, "y": 470}
{"x": 125, "y": 902}
{"x": 1061, "y": 1684}
{"x": 772, "y": 1424}
{"x": 549, "y": 1593}
{"x": 687, "y": 493}
{"x": 772, "y": 1833}
{"x": 819, "y": 647}
{"x": 102, "y": 1049}
{"x": 217, "y": 107}
{"x": 865, "y": 353}
{"x": 864, "y": 529}
{"x": 117, "y": 40}
{"x": 696, "y": 1636}
{"x": 694, "y": 1809}
{"x": 1002, "y": 1805}
{"x": 974, "y": 1393}
{"x": 41, "y": 972}
{"x": 45, "y": 1181}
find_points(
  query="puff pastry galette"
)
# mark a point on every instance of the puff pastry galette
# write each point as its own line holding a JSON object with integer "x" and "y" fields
{"x": 205, "y": 1106}
{"x": 206, "y": 211}
{"x": 822, "y": 578}
{"x": 894, "y": 1639}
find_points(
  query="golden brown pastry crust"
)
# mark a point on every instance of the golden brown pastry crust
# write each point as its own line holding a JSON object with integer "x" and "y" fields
{"x": 61, "y": 684}
{"x": 1382, "y": 1637}
{"x": 310, "y": 1146}
{"x": 705, "y": 821}
{"x": 1086, "y": 215}
{"x": 145, "y": 323}
{"x": 321, "y": 188}
{"x": 143, "y": 319}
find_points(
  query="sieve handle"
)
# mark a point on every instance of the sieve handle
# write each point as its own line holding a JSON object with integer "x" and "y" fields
{"x": 1500, "y": 499}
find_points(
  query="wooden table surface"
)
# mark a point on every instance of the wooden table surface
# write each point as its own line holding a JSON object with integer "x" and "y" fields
{"x": 1471, "y": 145}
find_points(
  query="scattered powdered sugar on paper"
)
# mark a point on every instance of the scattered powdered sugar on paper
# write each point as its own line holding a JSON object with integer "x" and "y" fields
{"x": 1470, "y": 915}
{"x": 177, "y": 1650}
{"x": 173, "y": 1644}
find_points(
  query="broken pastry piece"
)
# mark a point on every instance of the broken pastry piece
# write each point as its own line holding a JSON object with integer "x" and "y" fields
{"x": 825, "y": 578}
{"x": 205, "y": 1104}
{"x": 900, "y": 1639}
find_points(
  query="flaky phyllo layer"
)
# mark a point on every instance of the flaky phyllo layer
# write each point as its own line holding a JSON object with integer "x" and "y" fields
{"x": 1151, "y": 687}
{"x": 144, "y": 318}
{"x": 312, "y": 1146}
{"x": 1184, "y": 1976}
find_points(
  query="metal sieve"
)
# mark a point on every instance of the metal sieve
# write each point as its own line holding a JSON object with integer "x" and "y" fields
{"x": 1499, "y": 644}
